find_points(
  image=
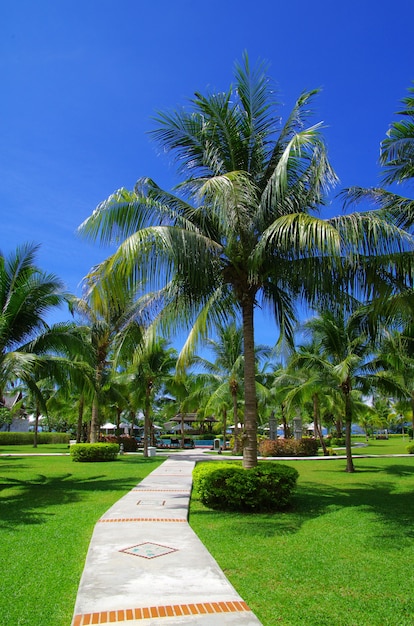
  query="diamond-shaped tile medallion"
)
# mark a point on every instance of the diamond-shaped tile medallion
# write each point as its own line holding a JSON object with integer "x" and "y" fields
{"x": 148, "y": 550}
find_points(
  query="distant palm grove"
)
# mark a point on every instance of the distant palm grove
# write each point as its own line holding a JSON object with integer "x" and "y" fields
{"x": 241, "y": 231}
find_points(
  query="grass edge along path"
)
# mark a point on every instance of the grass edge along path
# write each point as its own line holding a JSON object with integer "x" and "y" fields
{"x": 342, "y": 555}
{"x": 49, "y": 506}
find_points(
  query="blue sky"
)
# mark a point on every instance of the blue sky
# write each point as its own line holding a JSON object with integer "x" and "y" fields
{"x": 81, "y": 81}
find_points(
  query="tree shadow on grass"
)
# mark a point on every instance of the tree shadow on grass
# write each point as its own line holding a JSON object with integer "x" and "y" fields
{"x": 383, "y": 497}
{"x": 33, "y": 500}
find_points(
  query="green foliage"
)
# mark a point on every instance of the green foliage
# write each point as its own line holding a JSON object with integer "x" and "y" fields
{"x": 49, "y": 501}
{"x": 289, "y": 447}
{"x": 21, "y": 439}
{"x": 327, "y": 560}
{"x": 410, "y": 448}
{"x": 6, "y": 416}
{"x": 229, "y": 487}
{"x": 129, "y": 443}
{"x": 91, "y": 452}
{"x": 337, "y": 441}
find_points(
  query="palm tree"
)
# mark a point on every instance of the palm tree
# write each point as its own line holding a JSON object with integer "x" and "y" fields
{"x": 113, "y": 323}
{"x": 227, "y": 369}
{"x": 397, "y": 150}
{"x": 27, "y": 295}
{"x": 308, "y": 381}
{"x": 240, "y": 232}
{"x": 153, "y": 365}
{"x": 344, "y": 350}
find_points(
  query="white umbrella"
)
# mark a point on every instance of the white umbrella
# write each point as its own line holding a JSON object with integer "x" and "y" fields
{"x": 108, "y": 426}
{"x": 177, "y": 428}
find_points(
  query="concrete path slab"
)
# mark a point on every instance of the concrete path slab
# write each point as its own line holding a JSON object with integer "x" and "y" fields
{"x": 146, "y": 566}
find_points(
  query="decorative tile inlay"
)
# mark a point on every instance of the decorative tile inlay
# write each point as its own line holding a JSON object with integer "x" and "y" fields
{"x": 151, "y": 502}
{"x": 148, "y": 550}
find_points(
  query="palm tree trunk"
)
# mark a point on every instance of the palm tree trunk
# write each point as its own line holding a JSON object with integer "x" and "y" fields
{"x": 316, "y": 423}
{"x": 346, "y": 389}
{"x": 80, "y": 419}
{"x": 286, "y": 430}
{"x": 224, "y": 427}
{"x": 412, "y": 410}
{"x": 94, "y": 431}
{"x": 233, "y": 391}
{"x": 250, "y": 401}
{"x": 182, "y": 431}
{"x": 36, "y": 426}
{"x": 147, "y": 409}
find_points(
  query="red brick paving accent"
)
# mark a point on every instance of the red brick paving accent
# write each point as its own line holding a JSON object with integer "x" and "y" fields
{"x": 126, "y": 615}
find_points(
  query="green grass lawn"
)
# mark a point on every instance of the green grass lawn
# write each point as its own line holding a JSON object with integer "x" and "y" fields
{"x": 343, "y": 555}
{"x": 48, "y": 508}
{"x": 396, "y": 444}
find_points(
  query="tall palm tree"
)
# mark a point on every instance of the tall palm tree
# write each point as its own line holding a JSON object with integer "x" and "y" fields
{"x": 344, "y": 351}
{"x": 27, "y": 295}
{"x": 112, "y": 317}
{"x": 227, "y": 366}
{"x": 240, "y": 231}
{"x": 153, "y": 365}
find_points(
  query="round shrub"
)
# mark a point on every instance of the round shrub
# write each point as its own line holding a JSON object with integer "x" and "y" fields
{"x": 91, "y": 452}
{"x": 410, "y": 448}
{"x": 338, "y": 441}
{"x": 266, "y": 487}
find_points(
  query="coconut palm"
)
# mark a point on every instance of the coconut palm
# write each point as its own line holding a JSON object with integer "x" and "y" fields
{"x": 240, "y": 231}
{"x": 27, "y": 295}
{"x": 344, "y": 350}
{"x": 31, "y": 351}
{"x": 227, "y": 372}
{"x": 111, "y": 317}
{"x": 153, "y": 365}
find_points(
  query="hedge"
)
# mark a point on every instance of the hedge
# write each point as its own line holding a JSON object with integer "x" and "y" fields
{"x": 91, "y": 452}
{"x": 289, "y": 447}
{"x": 129, "y": 443}
{"x": 410, "y": 448}
{"x": 27, "y": 439}
{"x": 229, "y": 487}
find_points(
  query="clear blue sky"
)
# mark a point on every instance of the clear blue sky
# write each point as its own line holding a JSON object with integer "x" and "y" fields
{"x": 81, "y": 80}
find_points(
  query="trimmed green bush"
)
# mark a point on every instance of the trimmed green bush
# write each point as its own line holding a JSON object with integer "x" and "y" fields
{"x": 91, "y": 452}
{"x": 27, "y": 439}
{"x": 229, "y": 487}
{"x": 410, "y": 448}
{"x": 129, "y": 443}
{"x": 289, "y": 447}
{"x": 337, "y": 442}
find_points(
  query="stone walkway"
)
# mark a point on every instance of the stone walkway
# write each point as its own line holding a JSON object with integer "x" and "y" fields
{"x": 146, "y": 566}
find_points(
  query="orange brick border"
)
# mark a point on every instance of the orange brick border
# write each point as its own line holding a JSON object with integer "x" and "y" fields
{"x": 170, "y": 610}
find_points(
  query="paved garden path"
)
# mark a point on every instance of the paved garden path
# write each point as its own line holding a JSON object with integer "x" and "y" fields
{"x": 146, "y": 566}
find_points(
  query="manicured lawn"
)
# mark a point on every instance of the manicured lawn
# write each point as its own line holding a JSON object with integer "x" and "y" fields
{"x": 396, "y": 444}
{"x": 342, "y": 555}
{"x": 48, "y": 508}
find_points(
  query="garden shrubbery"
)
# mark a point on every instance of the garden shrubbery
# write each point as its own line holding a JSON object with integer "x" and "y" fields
{"x": 338, "y": 442}
{"x": 27, "y": 439}
{"x": 410, "y": 448}
{"x": 229, "y": 487}
{"x": 289, "y": 447}
{"x": 91, "y": 452}
{"x": 129, "y": 443}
